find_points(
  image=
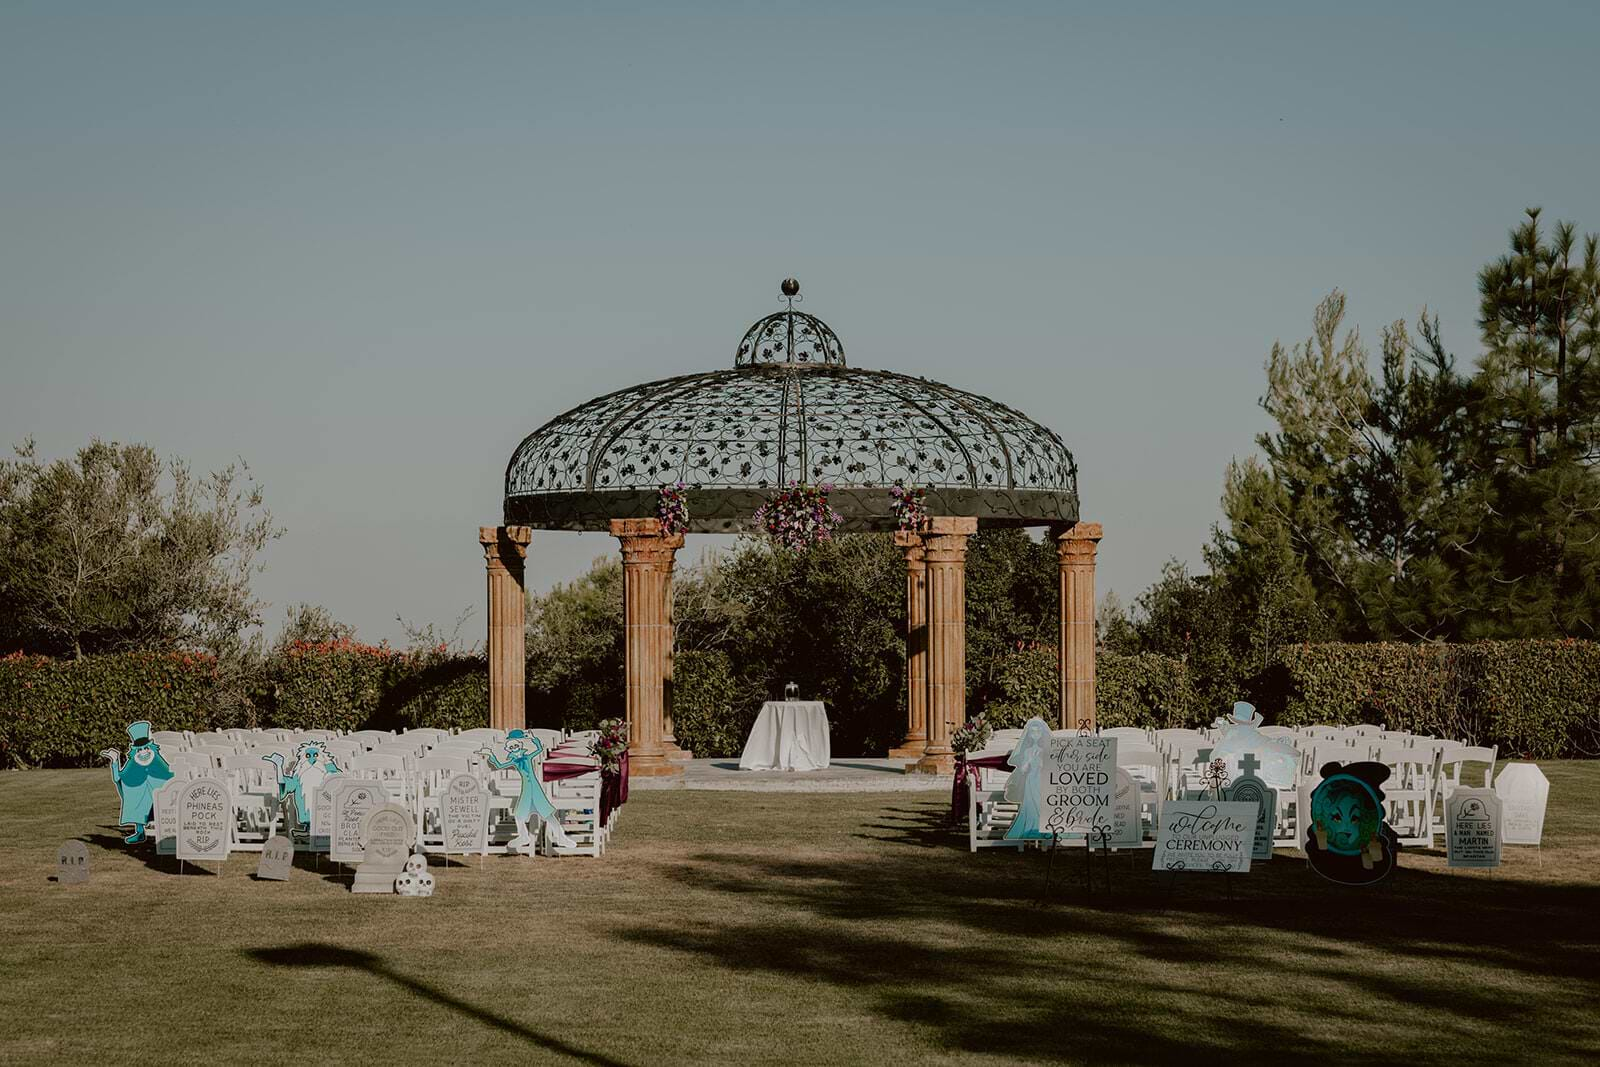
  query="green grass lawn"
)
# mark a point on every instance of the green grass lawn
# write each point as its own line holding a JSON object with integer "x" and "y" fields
{"x": 821, "y": 928}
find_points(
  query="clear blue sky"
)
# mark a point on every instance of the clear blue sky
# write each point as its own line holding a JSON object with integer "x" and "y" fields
{"x": 370, "y": 247}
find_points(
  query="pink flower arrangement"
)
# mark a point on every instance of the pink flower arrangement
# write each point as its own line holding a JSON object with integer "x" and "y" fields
{"x": 611, "y": 744}
{"x": 672, "y": 508}
{"x": 910, "y": 506}
{"x": 799, "y": 517}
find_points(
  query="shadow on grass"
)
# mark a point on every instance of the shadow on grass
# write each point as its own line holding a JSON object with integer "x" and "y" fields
{"x": 919, "y": 931}
{"x": 145, "y": 852}
{"x": 315, "y": 954}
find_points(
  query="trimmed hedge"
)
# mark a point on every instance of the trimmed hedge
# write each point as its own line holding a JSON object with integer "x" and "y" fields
{"x": 712, "y": 708}
{"x": 1537, "y": 699}
{"x": 332, "y": 685}
{"x": 66, "y": 711}
{"x": 1139, "y": 690}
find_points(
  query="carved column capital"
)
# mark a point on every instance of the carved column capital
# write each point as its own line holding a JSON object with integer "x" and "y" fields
{"x": 505, "y": 547}
{"x": 944, "y": 538}
{"x": 643, "y": 543}
{"x": 1078, "y": 543}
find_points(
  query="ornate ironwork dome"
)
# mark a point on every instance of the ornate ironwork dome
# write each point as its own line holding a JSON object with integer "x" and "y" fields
{"x": 790, "y": 410}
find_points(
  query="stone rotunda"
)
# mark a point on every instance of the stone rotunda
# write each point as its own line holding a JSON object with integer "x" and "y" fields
{"x": 791, "y": 410}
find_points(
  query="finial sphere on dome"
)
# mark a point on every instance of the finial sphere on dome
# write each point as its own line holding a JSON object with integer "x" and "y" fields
{"x": 790, "y": 287}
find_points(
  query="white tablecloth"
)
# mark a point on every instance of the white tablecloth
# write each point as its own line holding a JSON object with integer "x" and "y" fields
{"x": 789, "y": 735}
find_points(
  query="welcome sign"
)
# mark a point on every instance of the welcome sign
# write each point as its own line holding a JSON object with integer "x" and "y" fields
{"x": 1206, "y": 835}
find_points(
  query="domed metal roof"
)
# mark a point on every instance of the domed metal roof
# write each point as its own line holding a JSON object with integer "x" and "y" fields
{"x": 790, "y": 411}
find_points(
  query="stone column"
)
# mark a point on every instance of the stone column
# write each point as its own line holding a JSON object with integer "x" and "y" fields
{"x": 1075, "y": 552}
{"x": 916, "y": 740}
{"x": 945, "y": 552}
{"x": 504, "y": 548}
{"x": 669, "y": 743}
{"x": 647, "y": 556}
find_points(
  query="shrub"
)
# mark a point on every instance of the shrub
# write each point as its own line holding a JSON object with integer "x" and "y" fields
{"x": 436, "y": 690}
{"x": 1538, "y": 699}
{"x": 328, "y": 685}
{"x": 1138, "y": 690}
{"x": 64, "y": 712}
{"x": 712, "y": 708}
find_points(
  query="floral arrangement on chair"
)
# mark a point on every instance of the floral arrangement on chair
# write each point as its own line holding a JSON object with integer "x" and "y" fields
{"x": 799, "y": 517}
{"x": 971, "y": 736}
{"x": 612, "y": 743}
{"x": 910, "y": 506}
{"x": 672, "y": 508}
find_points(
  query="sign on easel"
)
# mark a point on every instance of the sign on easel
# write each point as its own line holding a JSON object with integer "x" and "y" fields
{"x": 1472, "y": 828}
{"x": 1127, "y": 823}
{"x": 352, "y": 799}
{"x": 1249, "y": 789}
{"x": 1080, "y": 782}
{"x": 205, "y": 820}
{"x": 1524, "y": 791}
{"x": 465, "y": 814}
{"x": 1206, "y": 835}
{"x": 166, "y": 818}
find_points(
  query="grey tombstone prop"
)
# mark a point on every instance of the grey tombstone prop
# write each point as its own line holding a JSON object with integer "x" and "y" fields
{"x": 465, "y": 814}
{"x": 166, "y": 818}
{"x": 1206, "y": 835}
{"x": 277, "y": 859}
{"x": 387, "y": 836}
{"x": 352, "y": 799}
{"x": 205, "y": 820}
{"x": 1472, "y": 828}
{"x": 322, "y": 813}
{"x": 1079, "y": 782}
{"x": 72, "y": 863}
{"x": 1247, "y": 788}
{"x": 1524, "y": 791}
{"x": 1127, "y": 825}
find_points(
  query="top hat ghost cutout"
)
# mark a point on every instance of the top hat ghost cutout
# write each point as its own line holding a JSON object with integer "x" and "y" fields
{"x": 1350, "y": 840}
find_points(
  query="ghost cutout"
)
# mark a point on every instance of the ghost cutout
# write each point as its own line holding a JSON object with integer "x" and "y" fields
{"x": 311, "y": 767}
{"x": 137, "y": 781}
{"x": 1349, "y": 840}
{"x": 1241, "y": 735}
{"x": 414, "y": 879}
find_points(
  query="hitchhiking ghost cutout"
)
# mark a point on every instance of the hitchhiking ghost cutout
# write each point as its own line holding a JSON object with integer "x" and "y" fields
{"x": 311, "y": 767}
{"x": 522, "y": 749}
{"x": 1349, "y": 839}
{"x": 138, "y": 779}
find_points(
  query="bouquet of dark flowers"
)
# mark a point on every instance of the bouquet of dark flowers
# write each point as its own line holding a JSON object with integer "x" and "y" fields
{"x": 611, "y": 744}
{"x": 972, "y": 736}
{"x": 910, "y": 506}
{"x": 799, "y": 517}
{"x": 672, "y": 508}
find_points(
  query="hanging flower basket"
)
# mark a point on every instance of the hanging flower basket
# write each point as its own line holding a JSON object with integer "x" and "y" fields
{"x": 611, "y": 744}
{"x": 799, "y": 517}
{"x": 672, "y": 508}
{"x": 910, "y": 506}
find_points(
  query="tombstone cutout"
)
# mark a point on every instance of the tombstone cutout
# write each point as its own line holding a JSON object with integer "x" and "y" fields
{"x": 72, "y": 863}
{"x": 322, "y": 814}
{"x": 205, "y": 820}
{"x": 277, "y": 859}
{"x": 465, "y": 814}
{"x": 1524, "y": 791}
{"x": 352, "y": 799}
{"x": 1252, "y": 790}
{"x": 1472, "y": 828}
{"x": 1127, "y": 824}
{"x": 387, "y": 835}
{"x": 1063, "y": 786}
{"x": 1212, "y": 836}
{"x": 167, "y": 819}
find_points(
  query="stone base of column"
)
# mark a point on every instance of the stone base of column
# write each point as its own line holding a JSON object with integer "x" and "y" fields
{"x": 653, "y": 766}
{"x": 676, "y": 754}
{"x": 933, "y": 763}
{"x": 911, "y": 748}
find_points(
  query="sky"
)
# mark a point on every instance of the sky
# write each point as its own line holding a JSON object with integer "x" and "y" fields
{"x": 369, "y": 247}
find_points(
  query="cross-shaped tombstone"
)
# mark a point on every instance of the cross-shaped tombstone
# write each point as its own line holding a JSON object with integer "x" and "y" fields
{"x": 1249, "y": 764}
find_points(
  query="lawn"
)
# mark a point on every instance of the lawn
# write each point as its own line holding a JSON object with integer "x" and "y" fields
{"x": 819, "y": 928}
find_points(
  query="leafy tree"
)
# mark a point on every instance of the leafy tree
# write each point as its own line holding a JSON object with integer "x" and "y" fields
{"x": 116, "y": 549}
